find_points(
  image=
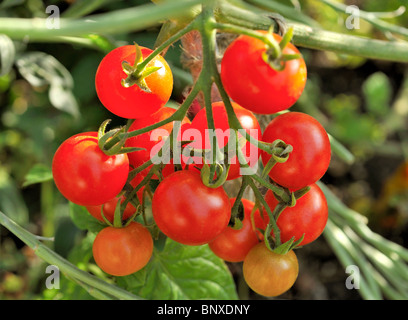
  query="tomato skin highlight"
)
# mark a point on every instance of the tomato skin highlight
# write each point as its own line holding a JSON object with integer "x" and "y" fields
{"x": 233, "y": 245}
{"x": 309, "y": 216}
{"x": 189, "y": 212}
{"x": 311, "y": 154}
{"x": 84, "y": 174}
{"x": 132, "y": 102}
{"x": 254, "y": 84}
{"x": 123, "y": 251}
{"x": 268, "y": 273}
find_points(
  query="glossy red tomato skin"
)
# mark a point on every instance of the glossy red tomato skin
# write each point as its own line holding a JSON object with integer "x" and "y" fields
{"x": 311, "y": 154}
{"x": 84, "y": 174}
{"x": 248, "y": 122}
{"x": 309, "y": 216}
{"x": 132, "y": 102}
{"x": 189, "y": 212}
{"x": 268, "y": 273}
{"x": 253, "y": 84}
{"x": 151, "y": 139}
{"x": 123, "y": 251}
{"x": 233, "y": 245}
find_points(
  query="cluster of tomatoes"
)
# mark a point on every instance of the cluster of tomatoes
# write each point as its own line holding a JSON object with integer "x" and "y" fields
{"x": 184, "y": 208}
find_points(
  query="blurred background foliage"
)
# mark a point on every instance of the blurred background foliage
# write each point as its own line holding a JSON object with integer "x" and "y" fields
{"x": 48, "y": 95}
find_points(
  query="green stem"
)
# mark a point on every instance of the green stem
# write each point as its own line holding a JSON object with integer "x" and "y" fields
{"x": 347, "y": 44}
{"x": 167, "y": 43}
{"x": 119, "y": 21}
{"x": 371, "y": 18}
{"x": 208, "y": 35}
{"x": 272, "y": 222}
{"x": 65, "y": 266}
{"x": 286, "y": 11}
{"x": 348, "y": 256}
{"x": 341, "y": 151}
{"x": 359, "y": 224}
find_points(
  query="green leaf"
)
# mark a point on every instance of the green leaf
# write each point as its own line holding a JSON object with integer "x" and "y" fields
{"x": 182, "y": 272}
{"x": 7, "y": 54}
{"x": 83, "y": 219}
{"x": 37, "y": 174}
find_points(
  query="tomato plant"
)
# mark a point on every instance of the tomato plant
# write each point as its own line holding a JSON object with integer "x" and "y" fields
{"x": 84, "y": 174}
{"x": 251, "y": 81}
{"x": 189, "y": 212}
{"x": 307, "y": 217}
{"x": 311, "y": 154}
{"x": 233, "y": 62}
{"x": 123, "y": 251}
{"x": 132, "y": 101}
{"x": 270, "y": 274}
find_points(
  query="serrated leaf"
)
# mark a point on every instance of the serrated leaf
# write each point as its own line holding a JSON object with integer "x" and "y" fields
{"x": 37, "y": 174}
{"x": 83, "y": 219}
{"x": 182, "y": 272}
{"x": 7, "y": 54}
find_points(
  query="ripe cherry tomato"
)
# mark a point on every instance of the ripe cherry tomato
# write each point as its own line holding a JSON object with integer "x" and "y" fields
{"x": 234, "y": 244}
{"x": 84, "y": 174}
{"x": 153, "y": 140}
{"x": 189, "y": 212}
{"x": 309, "y": 216}
{"x": 310, "y": 157}
{"x": 268, "y": 273}
{"x": 254, "y": 84}
{"x": 123, "y": 251}
{"x": 132, "y": 102}
{"x": 248, "y": 122}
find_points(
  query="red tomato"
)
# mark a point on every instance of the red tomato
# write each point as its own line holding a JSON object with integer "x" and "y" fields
{"x": 268, "y": 273}
{"x": 254, "y": 84}
{"x": 132, "y": 102}
{"x": 248, "y": 122}
{"x": 153, "y": 140}
{"x": 189, "y": 212}
{"x": 234, "y": 244}
{"x": 309, "y": 216}
{"x": 123, "y": 251}
{"x": 311, "y": 154}
{"x": 84, "y": 174}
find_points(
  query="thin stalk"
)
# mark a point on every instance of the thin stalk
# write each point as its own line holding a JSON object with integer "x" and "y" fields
{"x": 272, "y": 222}
{"x": 119, "y": 21}
{"x": 208, "y": 35}
{"x": 167, "y": 43}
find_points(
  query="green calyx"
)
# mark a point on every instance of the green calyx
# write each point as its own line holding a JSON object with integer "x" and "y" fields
{"x": 274, "y": 55}
{"x": 138, "y": 72}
